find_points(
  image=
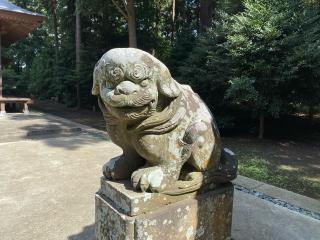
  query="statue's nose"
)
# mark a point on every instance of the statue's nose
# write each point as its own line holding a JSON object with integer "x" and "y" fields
{"x": 126, "y": 88}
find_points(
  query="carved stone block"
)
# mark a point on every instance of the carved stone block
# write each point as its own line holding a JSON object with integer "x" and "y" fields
{"x": 170, "y": 140}
{"x": 123, "y": 214}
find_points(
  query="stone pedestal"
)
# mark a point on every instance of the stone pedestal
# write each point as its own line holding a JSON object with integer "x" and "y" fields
{"x": 123, "y": 214}
{"x": 2, "y": 109}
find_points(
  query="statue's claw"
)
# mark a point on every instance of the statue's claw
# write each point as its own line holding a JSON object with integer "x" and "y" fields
{"x": 149, "y": 179}
{"x": 108, "y": 168}
{"x": 120, "y": 167}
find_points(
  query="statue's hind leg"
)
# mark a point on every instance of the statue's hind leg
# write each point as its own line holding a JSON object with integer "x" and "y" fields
{"x": 206, "y": 146}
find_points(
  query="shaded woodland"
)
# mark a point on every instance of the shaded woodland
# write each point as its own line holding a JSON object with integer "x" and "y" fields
{"x": 250, "y": 60}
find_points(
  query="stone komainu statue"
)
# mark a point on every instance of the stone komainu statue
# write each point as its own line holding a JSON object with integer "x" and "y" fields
{"x": 170, "y": 140}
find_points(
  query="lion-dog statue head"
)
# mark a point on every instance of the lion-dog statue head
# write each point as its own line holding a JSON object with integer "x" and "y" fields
{"x": 160, "y": 125}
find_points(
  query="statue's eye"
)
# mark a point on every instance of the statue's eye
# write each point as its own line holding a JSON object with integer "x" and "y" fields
{"x": 116, "y": 74}
{"x": 139, "y": 73}
{"x": 144, "y": 83}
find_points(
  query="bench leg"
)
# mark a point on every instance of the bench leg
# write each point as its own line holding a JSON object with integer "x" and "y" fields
{"x": 26, "y": 109}
{"x": 2, "y": 109}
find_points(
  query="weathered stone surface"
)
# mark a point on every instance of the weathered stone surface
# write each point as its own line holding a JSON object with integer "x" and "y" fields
{"x": 111, "y": 224}
{"x": 171, "y": 147}
{"x": 133, "y": 203}
{"x": 208, "y": 216}
{"x": 161, "y": 126}
{"x": 202, "y": 217}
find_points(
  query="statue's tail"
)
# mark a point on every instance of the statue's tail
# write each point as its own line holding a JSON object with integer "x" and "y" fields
{"x": 228, "y": 168}
{"x": 226, "y": 172}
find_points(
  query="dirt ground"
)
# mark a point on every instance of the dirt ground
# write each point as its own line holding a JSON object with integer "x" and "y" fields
{"x": 291, "y": 162}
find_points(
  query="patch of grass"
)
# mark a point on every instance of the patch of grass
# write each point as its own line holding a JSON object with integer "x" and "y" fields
{"x": 260, "y": 168}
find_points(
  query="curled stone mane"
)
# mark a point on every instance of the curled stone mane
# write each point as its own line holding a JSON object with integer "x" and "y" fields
{"x": 164, "y": 121}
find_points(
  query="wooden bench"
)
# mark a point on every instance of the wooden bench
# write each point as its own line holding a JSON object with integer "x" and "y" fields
{"x": 5, "y": 100}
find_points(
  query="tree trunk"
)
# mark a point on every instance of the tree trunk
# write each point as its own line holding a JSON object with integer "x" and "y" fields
{"x": 55, "y": 28}
{"x": 56, "y": 39}
{"x": 78, "y": 49}
{"x": 131, "y": 24}
{"x": 261, "y": 125}
{"x": 206, "y": 11}
{"x": 173, "y": 28}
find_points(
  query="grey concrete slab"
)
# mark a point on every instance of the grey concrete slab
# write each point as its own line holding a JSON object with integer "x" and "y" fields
{"x": 290, "y": 197}
{"x": 258, "y": 219}
{"x": 17, "y": 126}
{"x": 247, "y": 182}
{"x": 279, "y": 193}
{"x": 47, "y": 187}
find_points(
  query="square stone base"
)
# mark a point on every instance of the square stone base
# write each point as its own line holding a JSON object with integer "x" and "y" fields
{"x": 207, "y": 216}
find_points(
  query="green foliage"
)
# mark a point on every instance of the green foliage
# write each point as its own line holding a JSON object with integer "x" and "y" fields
{"x": 264, "y": 169}
{"x": 102, "y": 28}
{"x": 264, "y": 58}
{"x": 180, "y": 51}
{"x": 275, "y": 48}
{"x": 245, "y": 91}
{"x": 229, "y": 6}
{"x": 206, "y": 70}
{"x": 258, "y": 55}
{"x": 303, "y": 62}
{"x": 15, "y": 83}
{"x": 257, "y": 43}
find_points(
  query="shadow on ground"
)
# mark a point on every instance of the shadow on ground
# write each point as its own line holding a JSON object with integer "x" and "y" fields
{"x": 51, "y": 130}
{"x": 291, "y": 165}
{"x": 86, "y": 234}
{"x": 82, "y": 116}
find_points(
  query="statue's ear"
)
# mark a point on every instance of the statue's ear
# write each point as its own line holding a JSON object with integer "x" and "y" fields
{"x": 167, "y": 85}
{"x": 95, "y": 87}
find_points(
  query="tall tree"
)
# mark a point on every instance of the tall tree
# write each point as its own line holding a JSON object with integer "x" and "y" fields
{"x": 55, "y": 28}
{"x": 173, "y": 20}
{"x": 129, "y": 14}
{"x": 303, "y": 62}
{"x": 258, "y": 43}
{"x": 206, "y": 13}
{"x": 78, "y": 51}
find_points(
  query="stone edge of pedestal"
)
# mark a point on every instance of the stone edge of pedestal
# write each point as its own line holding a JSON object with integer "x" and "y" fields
{"x": 121, "y": 224}
{"x": 136, "y": 226}
{"x": 139, "y": 203}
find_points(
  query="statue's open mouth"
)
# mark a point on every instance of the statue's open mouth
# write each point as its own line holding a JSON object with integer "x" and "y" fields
{"x": 126, "y": 112}
{"x": 133, "y": 113}
{"x": 127, "y": 102}
{"x": 132, "y": 109}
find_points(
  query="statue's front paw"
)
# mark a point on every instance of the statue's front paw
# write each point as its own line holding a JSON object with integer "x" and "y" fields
{"x": 109, "y": 167}
{"x": 149, "y": 178}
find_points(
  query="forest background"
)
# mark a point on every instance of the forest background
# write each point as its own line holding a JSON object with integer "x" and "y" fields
{"x": 250, "y": 60}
